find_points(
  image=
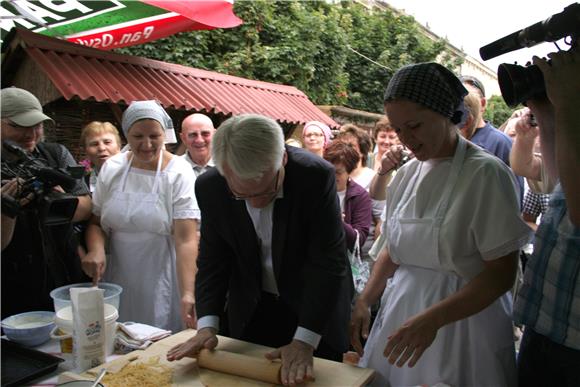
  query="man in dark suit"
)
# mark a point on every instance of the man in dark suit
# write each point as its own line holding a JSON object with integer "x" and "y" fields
{"x": 273, "y": 245}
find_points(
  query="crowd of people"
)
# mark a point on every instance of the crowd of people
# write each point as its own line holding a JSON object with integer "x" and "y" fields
{"x": 439, "y": 203}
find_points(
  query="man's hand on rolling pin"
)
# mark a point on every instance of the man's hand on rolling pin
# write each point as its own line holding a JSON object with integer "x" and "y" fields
{"x": 297, "y": 360}
{"x": 205, "y": 338}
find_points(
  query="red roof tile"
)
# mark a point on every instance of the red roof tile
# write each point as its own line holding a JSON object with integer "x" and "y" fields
{"x": 91, "y": 74}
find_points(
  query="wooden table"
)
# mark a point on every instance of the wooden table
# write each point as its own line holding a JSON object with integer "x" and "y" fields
{"x": 186, "y": 372}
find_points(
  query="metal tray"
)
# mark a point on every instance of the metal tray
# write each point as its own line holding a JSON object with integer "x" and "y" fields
{"x": 21, "y": 364}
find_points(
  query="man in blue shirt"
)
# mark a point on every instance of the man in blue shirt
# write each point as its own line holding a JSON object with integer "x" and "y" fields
{"x": 485, "y": 134}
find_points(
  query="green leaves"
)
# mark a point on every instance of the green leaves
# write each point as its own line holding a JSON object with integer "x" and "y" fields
{"x": 306, "y": 44}
{"x": 497, "y": 111}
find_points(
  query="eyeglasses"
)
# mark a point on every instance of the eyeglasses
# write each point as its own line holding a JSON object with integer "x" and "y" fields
{"x": 269, "y": 192}
{"x": 313, "y": 134}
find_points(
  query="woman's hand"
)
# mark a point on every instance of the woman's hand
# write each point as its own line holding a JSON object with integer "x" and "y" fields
{"x": 360, "y": 321}
{"x": 524, "y": 127}
{"x": 411, "y": 340}
{"x": 391, "y": 159}
{"x": 93, "y": 264}
{"x": 188, "y": 311}
{"x": 416, "y": 335}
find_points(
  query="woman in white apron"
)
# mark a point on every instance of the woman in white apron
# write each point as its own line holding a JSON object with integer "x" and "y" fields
{"x": 144, "y": 203}
{"x": 453, "y": 231}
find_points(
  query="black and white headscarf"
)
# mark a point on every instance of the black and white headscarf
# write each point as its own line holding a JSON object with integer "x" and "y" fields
{"x": 430, "y": 85}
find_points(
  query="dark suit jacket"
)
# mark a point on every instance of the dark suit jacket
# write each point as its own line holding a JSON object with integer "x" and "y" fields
{"x": 308, "y": 247}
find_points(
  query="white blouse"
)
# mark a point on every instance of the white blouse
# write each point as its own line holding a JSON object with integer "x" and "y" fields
{"x": 483, "y": 221}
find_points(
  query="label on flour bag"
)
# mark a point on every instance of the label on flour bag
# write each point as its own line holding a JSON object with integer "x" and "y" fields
{"x": 88, "y": 327}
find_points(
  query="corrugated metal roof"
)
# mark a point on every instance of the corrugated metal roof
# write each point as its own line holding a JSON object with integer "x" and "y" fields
{"x": 91, "y": 74}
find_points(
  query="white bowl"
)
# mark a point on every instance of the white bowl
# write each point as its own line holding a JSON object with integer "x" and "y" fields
{"x": 30, "y": 328}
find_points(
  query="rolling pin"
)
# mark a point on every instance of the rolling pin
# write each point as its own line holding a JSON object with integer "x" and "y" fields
{"x": 237, "y": 364}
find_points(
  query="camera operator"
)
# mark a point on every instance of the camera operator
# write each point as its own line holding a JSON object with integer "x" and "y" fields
{"x": 547, "y": 303}
{"x": 36, "y": 257}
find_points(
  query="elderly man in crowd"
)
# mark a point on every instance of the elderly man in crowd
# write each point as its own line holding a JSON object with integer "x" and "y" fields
{"x": 196, "y": 133}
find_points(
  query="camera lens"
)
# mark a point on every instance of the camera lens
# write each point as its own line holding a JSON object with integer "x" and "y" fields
{"x": 518, "y": 83}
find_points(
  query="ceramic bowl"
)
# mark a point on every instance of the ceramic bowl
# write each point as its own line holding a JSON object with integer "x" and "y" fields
{"x": 30, "y": 328}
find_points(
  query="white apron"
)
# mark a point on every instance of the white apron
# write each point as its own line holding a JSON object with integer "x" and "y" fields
{"x": 142, "y": 255}
{"x": 477, "y": 351}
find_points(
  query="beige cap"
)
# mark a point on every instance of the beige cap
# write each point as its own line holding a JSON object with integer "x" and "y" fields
{"x": 21, "y": 107}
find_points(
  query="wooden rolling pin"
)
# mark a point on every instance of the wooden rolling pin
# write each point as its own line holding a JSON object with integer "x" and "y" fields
{"x": 237, "y": 364}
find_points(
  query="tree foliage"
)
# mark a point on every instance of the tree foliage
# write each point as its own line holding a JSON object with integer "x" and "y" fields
{"x": 307, "y": 44}
{"x": 392, "y": 41}
{"x": 497, "y": 111}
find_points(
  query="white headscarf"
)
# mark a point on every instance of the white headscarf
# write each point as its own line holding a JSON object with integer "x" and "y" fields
{"x": 153, "y": 110}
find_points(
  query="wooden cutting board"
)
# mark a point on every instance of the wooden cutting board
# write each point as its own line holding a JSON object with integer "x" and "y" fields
{"x": 186, "y": 372}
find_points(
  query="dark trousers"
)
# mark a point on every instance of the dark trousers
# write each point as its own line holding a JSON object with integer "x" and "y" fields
{"x": 274, "y": 325}
{"x": 541, "y": 362}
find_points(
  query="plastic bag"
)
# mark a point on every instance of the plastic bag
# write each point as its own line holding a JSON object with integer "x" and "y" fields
{"x": 360, "y": 269}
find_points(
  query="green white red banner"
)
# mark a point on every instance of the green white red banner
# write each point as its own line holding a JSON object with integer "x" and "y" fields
{"x": 114, "y": 24}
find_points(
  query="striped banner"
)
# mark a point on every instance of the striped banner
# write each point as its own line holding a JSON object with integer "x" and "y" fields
{"x": 113, "y": 24}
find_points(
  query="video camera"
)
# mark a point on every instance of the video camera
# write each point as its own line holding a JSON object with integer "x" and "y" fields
{"x": 38, "y": 180}
{"x": 518, "y": 83}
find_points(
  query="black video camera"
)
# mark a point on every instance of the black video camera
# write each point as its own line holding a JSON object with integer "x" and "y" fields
{"x": 518, "y": 83}
{"x": 37, "y": 183}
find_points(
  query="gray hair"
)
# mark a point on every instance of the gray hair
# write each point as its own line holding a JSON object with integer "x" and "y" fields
{"x": 249, "y": 144}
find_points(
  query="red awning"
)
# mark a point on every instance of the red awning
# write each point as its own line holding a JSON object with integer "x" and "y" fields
{"x": 90, "y": 74}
